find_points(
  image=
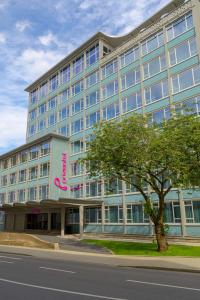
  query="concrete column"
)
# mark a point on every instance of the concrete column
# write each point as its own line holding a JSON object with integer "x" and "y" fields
{"x": 62, "y": 221}
{"x": 102, "y": 216}
{"x": 81, "y": 220}
{"x": 124, "y": 206}
{"x": 49, "y": 221}
{"x": 182, "y": 210}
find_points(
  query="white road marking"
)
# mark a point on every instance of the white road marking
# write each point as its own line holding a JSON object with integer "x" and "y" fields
{"x": 59, "y": 270}
{"x": 10, "y": 257}
{"x": 6, "y": 262}
{"x": 166, "y": 285}
{"x": 59, "y": 290}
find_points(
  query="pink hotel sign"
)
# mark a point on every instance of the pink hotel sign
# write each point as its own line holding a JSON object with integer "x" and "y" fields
{"x": 62, "y": 183}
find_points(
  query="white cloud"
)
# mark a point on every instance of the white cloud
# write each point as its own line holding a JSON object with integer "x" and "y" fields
{"x": 33, "y": 63}
{"x": 4, "y": 4}
{"x": 12, "y": 127}
{"x": 47, "y": 39}
{"x": 2, "y": 38}
{"x": 86, "y": 4}
{"x": 22, "y": 25}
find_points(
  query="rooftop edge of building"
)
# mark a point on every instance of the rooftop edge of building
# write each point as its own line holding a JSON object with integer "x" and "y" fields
{"x": 39, "y": 140}
{"x": 114, "y": 41}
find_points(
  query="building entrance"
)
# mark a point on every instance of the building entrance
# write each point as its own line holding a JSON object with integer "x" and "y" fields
{"x": 36, "y": 221}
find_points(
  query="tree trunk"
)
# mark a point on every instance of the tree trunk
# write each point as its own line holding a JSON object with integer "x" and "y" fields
{"x": 160, "y": 237}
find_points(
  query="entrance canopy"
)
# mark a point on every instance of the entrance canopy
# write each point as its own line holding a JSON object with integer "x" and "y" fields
{"x": 48, "y": 203}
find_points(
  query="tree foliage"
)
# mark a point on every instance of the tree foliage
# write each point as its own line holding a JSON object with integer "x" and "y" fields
{"x": 158, "y": 156}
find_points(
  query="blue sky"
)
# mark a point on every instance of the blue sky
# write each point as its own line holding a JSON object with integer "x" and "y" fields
{"x": 36, "y": 34}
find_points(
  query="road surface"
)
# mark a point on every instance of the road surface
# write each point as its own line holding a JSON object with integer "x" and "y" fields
{"x": 27, "y": 277}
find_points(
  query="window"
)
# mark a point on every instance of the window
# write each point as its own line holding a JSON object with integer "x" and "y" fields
{"x": 77, "y": 88}
{"x": 92, "y": 79}
{"x": 189, "y": 106}
{"x": 45, "y": 148}
{"x": 64, "y": 113}
{"x": 77, "y": 126}
{"x": 41, "y": 125}
{"x": 76, "y": 191}
{"x": 113, "y": 187}
{"x": 22, "y": 175}
{"x": 132, "y": 102}
{"x": 186, "y": 79}
{"x": 52, "y": 119}
{"x": 160, "y": 115}
{"x": 109, "y": 68}
{"x": 11, "y": 197}
{"x": 34, "y": 151}
{"x": 156, "y": 91}
{"x": 180, "y": 26}
{"x": 154, "y": 66}
{"x": 172, "y": 212}
{"x": 77, "y": 168}
{"x": 76, "y": 146}
{"x": 64, "y": 130}
{"x": 182, "y": 51}
{"x": 65, "y": 74}
{"x": 52, "y": 103}
{"x": 192, "y": 211}
{"x": 2, "y": 198}
{"x": 92, "y": 118}
{"x": 64, "y": 96}
{"x": 92, "y": 98}
{"x": 4, "y": 180}
{"x": 130, "y": 187}
{"x": 152, "y": 43}
{"x": 129, "y": 56}
{"x": 42, "y": 109}
{"x": 93, "y": 189}
{"x": 43, "y": 192}
{"x": 34, "y": 96}
{"x": 21, "y": 195}
{"x": 23, "y": 156}
{"x": 44, "y": 169}
{"x": 92, "y": 215}
{"x": 77, "y": 106}
{"x": 13, "y": 160}
{"x": 110, "y": 89}
{"x": 78, "y": 65}
{"x": 111, "y": 111}
{"x": 13, "y": 178}
{"x": 32, "y": 114}
{"x": 43, "y": 90}
{"x": 136, "y": 214}
{"x": 92, "y": 55}
{"x": 32, "y": 129}
{"x": 32, "y": 194}
{"x": 130, "y": 78}
{"x": 53, "y": 84}
{"x": 5, "y": 164}
{"x": 88, "y": 139}
{"x": 33, "y": 173}
{"x": 73, "y": 216}
{"x": 113, "y": 214}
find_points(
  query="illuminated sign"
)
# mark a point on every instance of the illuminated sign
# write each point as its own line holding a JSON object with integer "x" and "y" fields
{"x": 62, "y": 183}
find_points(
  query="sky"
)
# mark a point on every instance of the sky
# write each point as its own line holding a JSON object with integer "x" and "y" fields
{"x": 37, "y": 34}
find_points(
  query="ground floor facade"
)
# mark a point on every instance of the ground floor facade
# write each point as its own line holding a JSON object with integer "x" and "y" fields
{"x": 70, "y": 216}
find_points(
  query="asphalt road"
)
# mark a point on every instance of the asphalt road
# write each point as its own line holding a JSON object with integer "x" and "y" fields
{"x": 32, "y": 278}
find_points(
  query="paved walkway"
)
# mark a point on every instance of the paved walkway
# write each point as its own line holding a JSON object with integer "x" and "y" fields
{"x": 73, "y": 243}
{"x": 191, "y": 264}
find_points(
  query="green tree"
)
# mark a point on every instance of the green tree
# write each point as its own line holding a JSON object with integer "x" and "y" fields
{"x": 161, "y": 157}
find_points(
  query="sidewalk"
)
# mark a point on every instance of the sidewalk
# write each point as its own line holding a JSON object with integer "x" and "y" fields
{"x": 190, "y": 264}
